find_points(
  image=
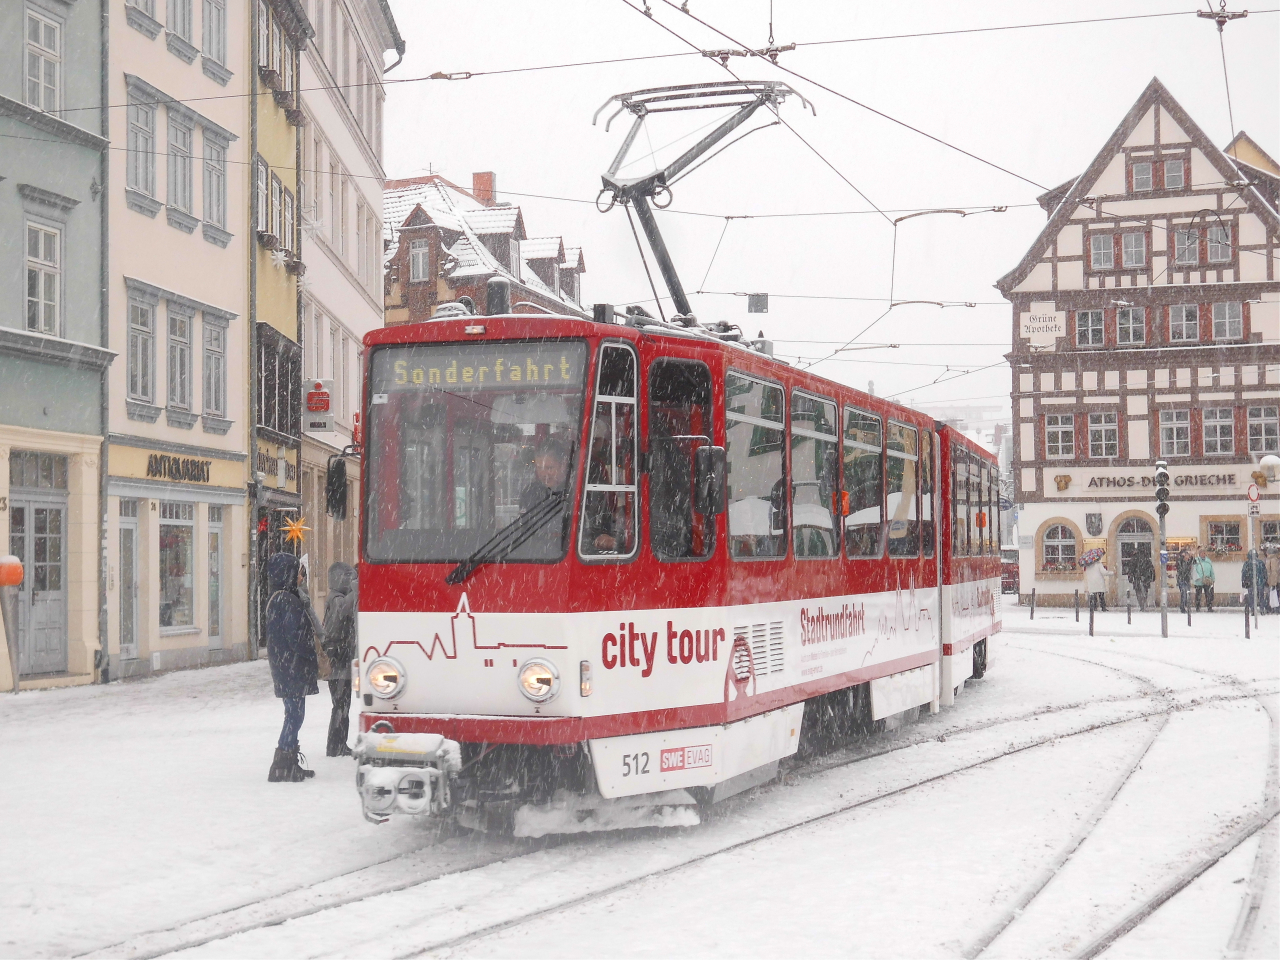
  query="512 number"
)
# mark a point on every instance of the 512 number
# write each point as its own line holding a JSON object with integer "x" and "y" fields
{"x": 635, "y": 763}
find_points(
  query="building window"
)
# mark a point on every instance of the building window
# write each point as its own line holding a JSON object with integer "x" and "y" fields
{"x": 215, "y": 183}
{"x": 362, "y": 250}
{"x": 286, "y": 65}
{"x": 277, "y": 47}
{"x": 419, "y": 260}
{"x": 287, "y": 231}
{"x": 215, "y": 30}
{"x": 279, "y": 382}
{"x": 215, "y": 370}
{"x": 44, "y": 279}
{"x": 1264, "y": 429}
{"x": 1270, "y": 533}
{"x": 1224, "y": 536}
{"x": 180, "y": 18}
{"x": 264, "y": 35}
{"x": 1059, "y": 546}
{"x": 1060, "y": 435}
{"x": 1219, "y": 426}
{"x": 215, "y": 572}
{"x": 1134, "y": 248}
{"x": 1104, "y": 435}
{"x": 1131, "y": 325}
{"x": 44, "y": 60}
{"x": 177, "y": 533}
{"x": 262, "y": 197}
{"x": 1102, "y": 254}
{"x": 140, "y": 167}
{"x": 1173, "y": 179}
{"x": 1184, "y": 322}
{"x": 179, "y": 361}
{"x": 1228, "y": 321}
{"x": 142, "y": 352}
{"x": 1175, "y": 433}
{"x": 1219, "y": 244}
{"x": 333, "y": 204}
{"x": 277, "y": 209}
{"x": 1141, "y": 176}
{"x": 1186, "y": 247}
{"x": 180, "y": 192}
{"x": 1088, "y": 328}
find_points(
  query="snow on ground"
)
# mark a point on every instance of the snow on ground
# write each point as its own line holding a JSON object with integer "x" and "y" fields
{"x": 142, "y": 806}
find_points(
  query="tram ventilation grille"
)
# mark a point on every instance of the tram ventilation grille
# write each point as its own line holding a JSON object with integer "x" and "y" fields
{"x": 767, "y": 647}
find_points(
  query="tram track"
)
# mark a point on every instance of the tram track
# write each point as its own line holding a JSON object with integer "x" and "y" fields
{"x": 361, "y": 884}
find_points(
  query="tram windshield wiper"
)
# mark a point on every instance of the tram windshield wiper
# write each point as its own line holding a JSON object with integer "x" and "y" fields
{"x": 511, "y": 537}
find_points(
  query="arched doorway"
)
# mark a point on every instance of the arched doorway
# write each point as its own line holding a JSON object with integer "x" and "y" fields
{"x": 1136, "y": 539}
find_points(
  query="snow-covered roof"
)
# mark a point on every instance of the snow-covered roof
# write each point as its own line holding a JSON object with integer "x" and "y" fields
{"x": 490, "y": 220}
{"x": 573, "y": 260}
{"x": 542, "y": 248}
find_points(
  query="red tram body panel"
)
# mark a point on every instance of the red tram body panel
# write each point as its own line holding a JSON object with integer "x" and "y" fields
{"x": 639, "y": 550}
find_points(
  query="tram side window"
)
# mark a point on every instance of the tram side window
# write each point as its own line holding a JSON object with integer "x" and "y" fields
{"x": 982, "y": 515}
{"x": 815, "y": 477}
{"x": 609, "y": 505}
{"x": 864, "y": 482}
{"x": 988, "y": 476}
{"x": 904, "y": 522}
{"x": 959, "y": 501}
{"x": 926, "y": 494}
{"x": 679, "y": 423}
{"x": 755, "y": 433}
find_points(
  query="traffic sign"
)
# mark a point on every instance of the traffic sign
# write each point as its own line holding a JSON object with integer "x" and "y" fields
{"x": 1255, "y": 509}
{"x": 1253, "y": 493}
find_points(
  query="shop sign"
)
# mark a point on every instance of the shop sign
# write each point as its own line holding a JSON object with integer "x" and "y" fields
{"x": 162, "y": 466}
{"x": 1188, "y": 481}
{"x": 1043, "y": 324}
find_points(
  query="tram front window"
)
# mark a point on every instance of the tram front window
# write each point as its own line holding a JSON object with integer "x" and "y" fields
{"x": 466, "y": 439}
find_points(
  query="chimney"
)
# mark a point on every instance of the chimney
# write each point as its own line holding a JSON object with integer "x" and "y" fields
{"x": 482, "y": 188}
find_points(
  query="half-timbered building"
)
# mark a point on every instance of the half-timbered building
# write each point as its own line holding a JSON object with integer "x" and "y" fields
{"x": 1146, "y": 326}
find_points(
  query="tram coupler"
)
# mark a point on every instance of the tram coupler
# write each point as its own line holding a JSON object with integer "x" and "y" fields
{"x": 408, "y": 773}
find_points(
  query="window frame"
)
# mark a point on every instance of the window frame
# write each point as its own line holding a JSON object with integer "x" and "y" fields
{"x": 213, "y": 339}
{"x": 1046, "y": 540}
{"x": 1265, "y": 416}
{"x": 48, "y": 272}
{"x": 1131, "y": 258}
{"x": 180, "y": 19}
{"x": 1102, "y": 251}
{"x": 1149, "y": 178}
{"x": 1227, "y": 320}
{"x": 834, "y": 439}
{"x": 1050, "y": 429}
{"x": 1211, "y": 417}
{"x": 633, "y": 488}
{"x": 784, "y": 461}
{"x": 1171, "y": 422}
{"x": 262, "y": 196}
{"x": 419, "y": 261}
{"x": 1104, "y": 426}
{"x": 1126, "y": 325}
{"x": 215, "y": 182}
{"x": 140, "y": 157}
{"x": 1194, "y": 321}
{"x": 1180, "y": 165}
{"x": 141, "y": 352}
{"x": 178, "y": 386}
{"x": 1099, "y": 328}
{"x": 49, "y": 96}
{"x": 711, "y": 524}
{"x": 845, "y": 444}
{"x": 181, "y": 514}
{"x": 889, "y": 452}
{"x": 180, "y": 158}
{"x": 1218, "y": 241}
{"x": 213, "y": 35}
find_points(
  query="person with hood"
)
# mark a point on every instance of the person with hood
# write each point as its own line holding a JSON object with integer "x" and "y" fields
{"x": 1095, "y": 581}
{"x": 340, "y": 647}
{"x": 1141, "y": 574}
{"x": 1185, "y": 566}
{"x": 292, "y": 654}
{"x": 1253, "y": 579}
{"x": 1272, "y": 551}
{"x": 1202, "y": 578}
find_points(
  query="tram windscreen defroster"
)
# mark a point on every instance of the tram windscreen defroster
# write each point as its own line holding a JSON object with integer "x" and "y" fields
{"x": 464, "y": 438}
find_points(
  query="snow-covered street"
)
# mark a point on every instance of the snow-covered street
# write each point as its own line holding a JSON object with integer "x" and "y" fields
{"x": 1085, "y": 782}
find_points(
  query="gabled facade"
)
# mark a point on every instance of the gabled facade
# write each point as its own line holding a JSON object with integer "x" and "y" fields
{"x": 1146, "y": 325}
{"x": 444, "y": 243}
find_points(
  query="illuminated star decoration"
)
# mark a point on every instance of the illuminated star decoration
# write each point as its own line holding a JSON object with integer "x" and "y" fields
{"x": 294, "y": 529}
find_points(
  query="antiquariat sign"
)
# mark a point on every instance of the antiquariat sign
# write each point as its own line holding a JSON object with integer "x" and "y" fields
{"x": 1191, "y": 481}
{"x": 209, "y": 470}
{"x": 165, "y": 467}
{"x": 1042, "y": 324}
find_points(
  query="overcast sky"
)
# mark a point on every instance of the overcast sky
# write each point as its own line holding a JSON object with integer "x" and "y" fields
{"x": 1038, "y": 102}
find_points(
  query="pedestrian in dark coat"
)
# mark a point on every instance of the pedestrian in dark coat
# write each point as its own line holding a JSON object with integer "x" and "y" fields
{"x": 1141, "y": 574}
{"x": 292, "y": 655}
{"x": 1185, "y": 563}
{"x": 340, "y": 647}
{"x": 1253, "y": 578}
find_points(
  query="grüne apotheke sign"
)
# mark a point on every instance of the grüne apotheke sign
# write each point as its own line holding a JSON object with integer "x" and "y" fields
{"x": 1188, "y": 481}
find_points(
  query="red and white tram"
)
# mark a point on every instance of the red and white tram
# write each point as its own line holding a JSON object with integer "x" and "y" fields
{"x": 621, "y": 568}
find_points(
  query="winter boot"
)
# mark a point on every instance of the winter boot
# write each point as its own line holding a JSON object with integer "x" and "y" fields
{"x": 300, "y": 772}
{"x": 281, "y": 767}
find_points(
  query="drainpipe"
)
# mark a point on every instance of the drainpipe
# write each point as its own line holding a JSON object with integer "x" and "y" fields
{"x": 252, "y": 365}
{"x": 104, "y": 322}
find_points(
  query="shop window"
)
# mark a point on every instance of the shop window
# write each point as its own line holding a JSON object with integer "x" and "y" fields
{"x": 1088, "y": 328}
{"x": 1059, "y": 546}
{"x": 815, "y": 477}
{"x": 1131, "y": 325}
{"x": 679, "y": 417}
{"x": 863, "y": 482}
{"x": 1175, "y": 433}
{"x": 900, "y": 501}
{"x": 1219, "y": 428}
{"x": 1264, "y": 429}
{"x": 1060, "y": 435}
{"x": 1104, "y": 435}
{"x": 177, "y": 533}
{"x": 1228, "y": 321}
{"x": 215, "y": 571}
{"x": 1269, "y": 533}
{"x": 1184, "y": 322}
{"x": 1224, "y": 536}
{"x": 609, "y": 503}
{"x": 755, "y": 433}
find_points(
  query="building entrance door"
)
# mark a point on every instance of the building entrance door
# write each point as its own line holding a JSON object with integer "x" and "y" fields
{"x": 37, "y": 537}
{"x": 1136, "y": 539}
{"x": 128, "y": 583}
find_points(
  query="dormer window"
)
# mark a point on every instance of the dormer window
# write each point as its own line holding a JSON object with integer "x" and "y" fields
{"x": 419, "y": 261}
{"x": 1173, "y": 176}
{"x": 1141, "y": 176}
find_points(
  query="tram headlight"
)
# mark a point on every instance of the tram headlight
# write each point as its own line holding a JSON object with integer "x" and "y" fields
{"x": 539, "y": 680}
{"x": 386, "y": 678}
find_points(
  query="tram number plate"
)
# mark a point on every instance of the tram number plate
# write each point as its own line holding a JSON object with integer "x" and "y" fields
{"x": 686, "y": 758}
{"x": 635, "y": 764}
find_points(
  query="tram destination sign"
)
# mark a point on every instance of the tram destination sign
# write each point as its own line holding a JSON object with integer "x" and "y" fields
{"x": 476, "y": 367}
{"x": 1067, "y": 483}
